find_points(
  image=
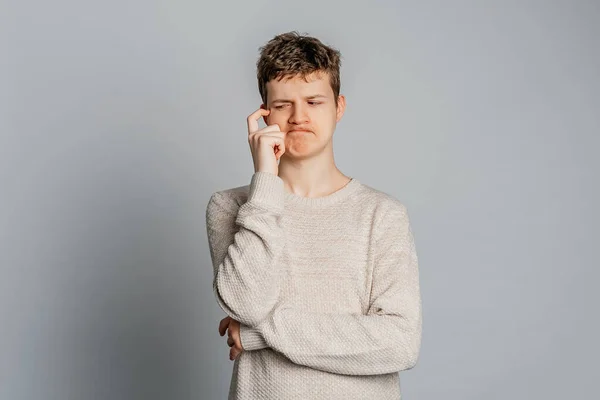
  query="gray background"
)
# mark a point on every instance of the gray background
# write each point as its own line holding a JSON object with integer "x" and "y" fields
{"x": 119, "y": 119}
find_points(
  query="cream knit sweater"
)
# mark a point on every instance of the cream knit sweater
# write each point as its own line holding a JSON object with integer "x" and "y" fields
{"x": 326, "y": 290}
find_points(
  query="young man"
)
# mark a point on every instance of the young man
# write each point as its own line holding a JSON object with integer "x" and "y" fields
{"x": 316, "y": 271}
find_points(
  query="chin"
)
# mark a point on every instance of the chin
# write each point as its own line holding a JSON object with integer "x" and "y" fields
{"x": 302, "y": 151}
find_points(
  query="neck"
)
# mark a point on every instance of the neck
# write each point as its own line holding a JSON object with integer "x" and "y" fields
{"x": 311, "y": 177}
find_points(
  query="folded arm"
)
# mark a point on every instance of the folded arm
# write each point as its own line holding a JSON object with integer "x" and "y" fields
{"x": 387, "y": 339}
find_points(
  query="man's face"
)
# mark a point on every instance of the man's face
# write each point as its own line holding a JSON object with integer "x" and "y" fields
{"x": 297, "y": 105}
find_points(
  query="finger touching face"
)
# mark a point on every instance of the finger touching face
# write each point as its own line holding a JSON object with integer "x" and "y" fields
{"x": 252, "y": 120}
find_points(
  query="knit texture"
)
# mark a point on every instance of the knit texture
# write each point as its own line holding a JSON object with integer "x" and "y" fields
{"x": 326, "y": 290}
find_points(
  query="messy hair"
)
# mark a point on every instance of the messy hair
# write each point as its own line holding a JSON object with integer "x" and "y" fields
{"x": 291, "y": 54}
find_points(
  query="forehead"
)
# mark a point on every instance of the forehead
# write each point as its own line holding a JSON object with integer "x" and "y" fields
{"x": 288, "y": 87}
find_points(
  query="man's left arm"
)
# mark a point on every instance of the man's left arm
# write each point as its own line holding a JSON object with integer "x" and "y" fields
{"x": 385, "y": 340}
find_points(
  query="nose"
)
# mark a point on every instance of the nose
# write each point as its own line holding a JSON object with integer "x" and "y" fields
{"x": 299, "y": 115}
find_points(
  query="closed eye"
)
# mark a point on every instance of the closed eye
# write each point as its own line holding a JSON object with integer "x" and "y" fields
{"x": 313, "y": 103}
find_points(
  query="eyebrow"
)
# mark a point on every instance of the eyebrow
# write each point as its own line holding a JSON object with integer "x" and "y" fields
{"x": 314, "y": 96}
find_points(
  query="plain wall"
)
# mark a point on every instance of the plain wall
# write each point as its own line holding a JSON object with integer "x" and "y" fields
{"x": 119, "y": 119}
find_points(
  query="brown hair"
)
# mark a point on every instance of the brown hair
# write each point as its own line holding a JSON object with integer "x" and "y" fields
{"x": 291, "y": 54}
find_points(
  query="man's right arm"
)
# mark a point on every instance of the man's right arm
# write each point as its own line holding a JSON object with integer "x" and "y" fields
{"x": 245, "y": 245}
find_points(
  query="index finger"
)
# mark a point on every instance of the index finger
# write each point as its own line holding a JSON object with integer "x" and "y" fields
{"x": 223, "y": 325}
{"x": 254, "y": 117}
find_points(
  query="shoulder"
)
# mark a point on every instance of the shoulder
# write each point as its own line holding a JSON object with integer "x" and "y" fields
{"x": 388, "y": 215}
{"x": 227, "y": 200}
{"x": 381, "y": 203}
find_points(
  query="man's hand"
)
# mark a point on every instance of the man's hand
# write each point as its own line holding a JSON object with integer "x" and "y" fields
{"x": 267, "y": 145}
{"x": 233, "y": 336}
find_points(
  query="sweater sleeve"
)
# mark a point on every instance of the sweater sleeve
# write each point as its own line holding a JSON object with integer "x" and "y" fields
{"x": 385, "y": 340}
{"x": 245, "y": 245}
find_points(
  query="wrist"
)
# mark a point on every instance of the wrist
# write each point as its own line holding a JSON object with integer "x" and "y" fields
{"x": 251, "y": 338}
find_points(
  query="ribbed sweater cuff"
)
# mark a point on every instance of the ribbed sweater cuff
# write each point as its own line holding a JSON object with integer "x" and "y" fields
{"x": 266, "y": 189}
{"x": 251, "y": 338}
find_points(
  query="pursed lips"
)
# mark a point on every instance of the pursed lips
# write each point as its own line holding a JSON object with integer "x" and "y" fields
{"x": 299, "y": 130}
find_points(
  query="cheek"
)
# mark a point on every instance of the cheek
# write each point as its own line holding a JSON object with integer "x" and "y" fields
{"x": 300, "y": 143}
{"x": 276, "y": 116}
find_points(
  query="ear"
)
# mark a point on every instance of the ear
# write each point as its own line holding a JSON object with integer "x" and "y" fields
{"x": 341, "y": 107}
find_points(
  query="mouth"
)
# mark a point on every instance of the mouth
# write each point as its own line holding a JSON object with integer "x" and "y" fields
{"x": 298, "y": 130}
